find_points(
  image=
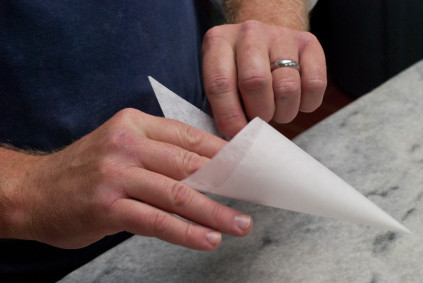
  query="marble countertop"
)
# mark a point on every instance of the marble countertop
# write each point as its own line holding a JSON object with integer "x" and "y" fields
{"x": 376, "y": 145}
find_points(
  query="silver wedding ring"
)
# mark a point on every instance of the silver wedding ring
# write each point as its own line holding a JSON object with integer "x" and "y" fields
{"x": 284, "y": 63}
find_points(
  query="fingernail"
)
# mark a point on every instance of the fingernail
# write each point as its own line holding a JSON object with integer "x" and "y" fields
{"x": 242, "y": 221}
{"x": 214, "y": 238}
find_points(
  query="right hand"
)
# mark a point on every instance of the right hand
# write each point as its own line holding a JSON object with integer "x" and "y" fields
{"x": 239, "y": 82}
{"x": 122, "y": 177}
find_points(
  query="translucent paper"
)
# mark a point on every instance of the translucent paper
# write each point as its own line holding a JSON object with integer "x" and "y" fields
{"x": 260, "y": 165}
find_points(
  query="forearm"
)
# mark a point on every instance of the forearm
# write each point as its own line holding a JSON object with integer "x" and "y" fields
{"x": 287, "y": 13}
{"x": 14, "y": 165}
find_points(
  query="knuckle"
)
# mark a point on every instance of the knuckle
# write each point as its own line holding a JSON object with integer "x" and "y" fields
{"x": 106, "y": 211}
{"x": 282, "y": 32}
{"x": 117, "y": 151}
{"x": 127, "y": 114}
{"x": 181, "y": 196}
{"x": 107, "y": 174}
{"x": 286, "y": 89}
{"x": 212, "y": 36}
{"x": 218, "y": 84}
{"x": 251, "y": 26}
{"x": 192, "y": 137}
{"x": 115, "y": 220}
{"x": 189, "y": 235}
{"x": 118, "y": 139}
{"x": 309, "y": 37}
{"x": 160, "y": 223}
{"x": 253, "y": 81}
{"x": 316, "y": 84}
{"x": 217, "y": 212}
{"x": 229, "y": 123}
{"x": 191, "y": 163}
{"x": 105, "y": 169}
{"x": 229, "y": 119}
{"x": 128, "y": 118}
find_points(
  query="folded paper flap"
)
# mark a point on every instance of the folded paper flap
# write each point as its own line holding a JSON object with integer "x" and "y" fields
{"x": 214, "y": 173}
{"x": 177, "y": 108}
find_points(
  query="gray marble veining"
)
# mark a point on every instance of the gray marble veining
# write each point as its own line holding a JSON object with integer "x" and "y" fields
{"x": 376, "y": 145}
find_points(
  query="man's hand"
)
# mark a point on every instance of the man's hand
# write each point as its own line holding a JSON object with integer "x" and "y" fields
{"x": 121, "y": 177}
{"x": 238, "y": 80}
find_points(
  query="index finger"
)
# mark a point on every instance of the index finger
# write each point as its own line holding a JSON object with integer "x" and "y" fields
{"x": 182, "y": 135}
{"x": 254, "y": 76}
{"x": 220, "y": 83}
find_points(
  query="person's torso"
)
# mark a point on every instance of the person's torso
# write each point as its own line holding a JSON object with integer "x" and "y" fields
{"x": 68, "y": 66}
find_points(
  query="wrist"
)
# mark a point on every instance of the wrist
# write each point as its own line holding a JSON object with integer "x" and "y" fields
{"x": 291, "y": 13}
{"x": 14, "y": 215}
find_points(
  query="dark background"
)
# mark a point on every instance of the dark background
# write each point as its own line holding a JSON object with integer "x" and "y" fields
{"x": 368, "y": 42}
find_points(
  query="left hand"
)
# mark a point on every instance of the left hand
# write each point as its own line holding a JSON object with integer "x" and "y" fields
{"x": 238, "y": 80}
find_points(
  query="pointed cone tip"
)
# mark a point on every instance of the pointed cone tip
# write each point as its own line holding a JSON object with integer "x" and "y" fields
{"x": 389, "y": 224}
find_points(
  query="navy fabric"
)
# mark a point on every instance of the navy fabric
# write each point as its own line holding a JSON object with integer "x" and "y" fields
{"x": 68, "y": 66}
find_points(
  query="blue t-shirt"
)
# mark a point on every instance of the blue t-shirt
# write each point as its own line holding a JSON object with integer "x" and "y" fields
{"x": 68, "y": 66}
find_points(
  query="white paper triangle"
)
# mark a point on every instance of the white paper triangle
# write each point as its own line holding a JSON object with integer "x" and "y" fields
{"x": 177, "y": 108}
{"x": 262, "y": 166}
